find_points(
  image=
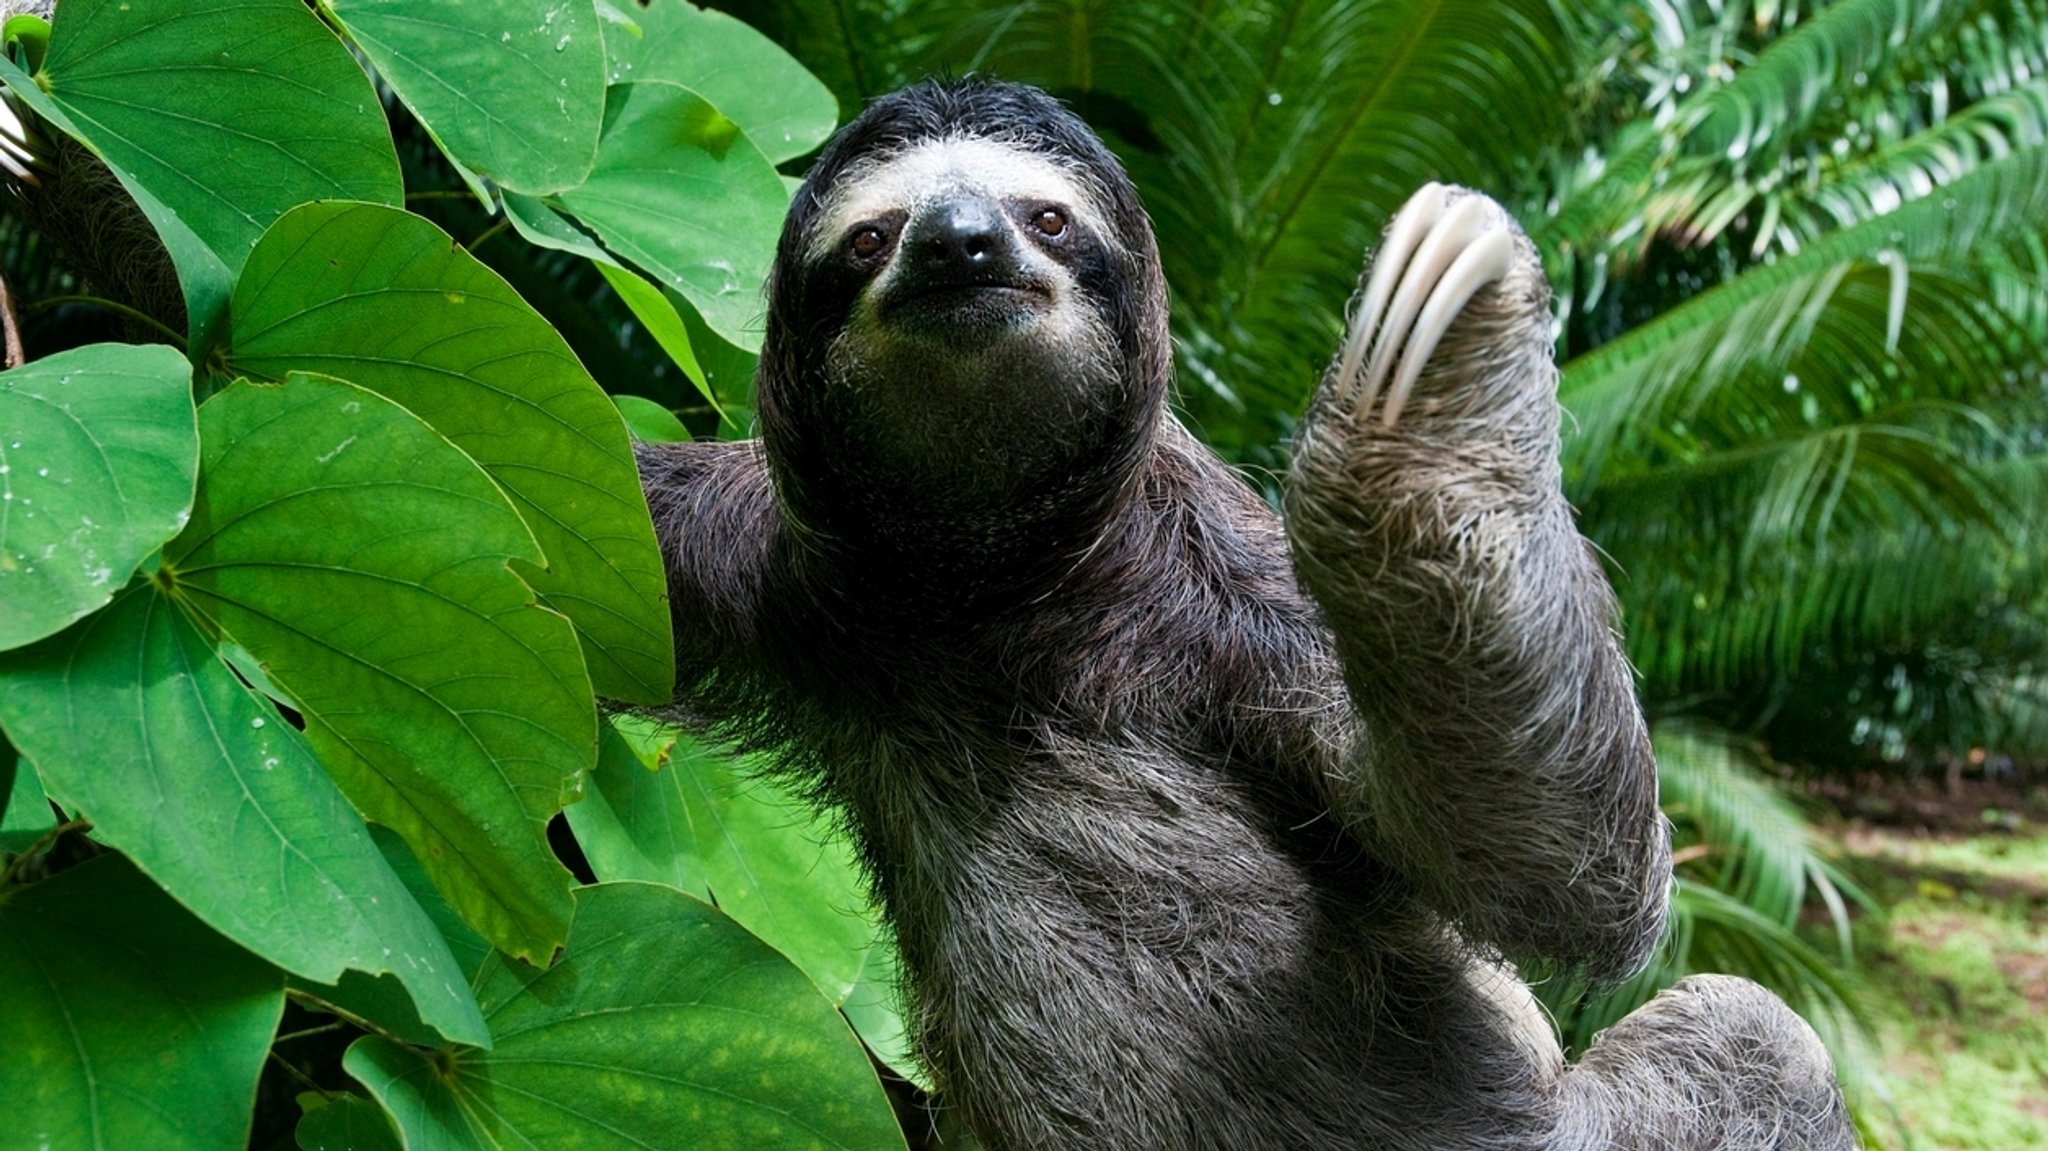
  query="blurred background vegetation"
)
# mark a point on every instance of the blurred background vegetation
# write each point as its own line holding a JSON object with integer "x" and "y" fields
{"x": 1800, "y": 253}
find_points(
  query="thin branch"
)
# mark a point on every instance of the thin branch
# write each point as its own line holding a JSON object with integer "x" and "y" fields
{"x": 308, "y": 999}
{"x": 43, "y": 843}
{"x": 15, "y": 357}
{"x": 487, "y": 233}
{"x": 47, "y": 303}
{"x": 304, "y": 1079}
{"x": 303, "y": 1033}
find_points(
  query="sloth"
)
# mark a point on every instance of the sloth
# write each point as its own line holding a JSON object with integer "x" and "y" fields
{"x": 1198, "y": 825}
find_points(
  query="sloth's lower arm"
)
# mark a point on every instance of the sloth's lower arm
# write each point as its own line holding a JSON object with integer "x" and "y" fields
{"x": 1509, "y": 773}
{"x": 1507, "y": 769}
{"x": 714, "y": 516}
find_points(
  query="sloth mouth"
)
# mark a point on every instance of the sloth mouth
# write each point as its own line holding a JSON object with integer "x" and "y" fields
{"x": 973, "y": 304}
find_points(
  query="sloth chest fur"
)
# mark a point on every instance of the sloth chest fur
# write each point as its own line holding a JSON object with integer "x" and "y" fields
{"x": 1151, "y": 884}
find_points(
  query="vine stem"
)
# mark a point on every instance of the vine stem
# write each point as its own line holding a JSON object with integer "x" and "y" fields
{"x": 43, "y": 842}
{"x": 304, "y": 1079}
{"x": 15, "y": 358}
{"x": 46, "y": 304}
{"x": 493, "y": 230}
{"x": 306, "y": 1032}
{"x": 308, "y": 999}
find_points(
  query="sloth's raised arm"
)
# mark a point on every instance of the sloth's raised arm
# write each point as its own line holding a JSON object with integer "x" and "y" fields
{"x": 714, "y": 515}
{"x": 1508, "y": 772}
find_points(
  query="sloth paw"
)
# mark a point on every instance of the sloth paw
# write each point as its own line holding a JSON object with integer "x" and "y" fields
{"x": 1442, "y": 247}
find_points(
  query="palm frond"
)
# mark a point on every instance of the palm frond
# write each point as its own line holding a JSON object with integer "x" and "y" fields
{"x": 1717, "y": 148}
{"x": 1272, "y": 140}
{"x": 1913, "y": 167}
{"x": 1355, "y": 107}
{"x": 1789, "y": 79}
{"x": 1738, "y": 829}
{"x": 1744, "y": 334}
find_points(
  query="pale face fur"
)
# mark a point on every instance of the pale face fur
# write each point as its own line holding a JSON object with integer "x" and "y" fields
{"x": 963, "y": 373}
{"x": 930, "y": 171}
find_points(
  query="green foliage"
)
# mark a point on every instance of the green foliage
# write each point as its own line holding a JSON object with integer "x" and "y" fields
{"x": 129, "y": 1023}
{"x": 383, "y": 572}
{"x": 1747, "y": 865}
{"x": 471, "y": 71}
{"x": 668, "y": 811}
{"x": 336, "y": 288}
{"x": 782, "y": 109}
{"x": 98, "y": 451}
{"x": 240, "y": 824}
{"x": 26, "y": 817}
{"x": 345, "y": 1123}
{"x": 715, "y": 249}
{"x": 217, "y": 115}
{"x": 650, "y": 1026}
{"x": 285, "y": 557}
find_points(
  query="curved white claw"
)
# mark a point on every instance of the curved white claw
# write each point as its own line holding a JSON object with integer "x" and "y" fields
{"x": 15, "y": 154}
{"x": 1464, "y": 223}
{"x": 1411, "y": 223}
{"x": 1487, "y": 259}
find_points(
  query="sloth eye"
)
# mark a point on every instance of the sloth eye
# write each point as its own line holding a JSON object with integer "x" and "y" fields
{"x": 867, "y": 242}
{"x": 1049, "y": 221}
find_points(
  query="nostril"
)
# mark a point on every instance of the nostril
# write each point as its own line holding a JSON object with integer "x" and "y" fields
{"x": 977, "y": 247}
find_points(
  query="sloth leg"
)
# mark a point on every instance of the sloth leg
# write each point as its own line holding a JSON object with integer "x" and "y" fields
{"x": 1713, "y": 1064}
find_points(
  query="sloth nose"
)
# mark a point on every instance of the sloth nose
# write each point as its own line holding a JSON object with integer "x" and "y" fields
{"x": 965, "y": 239}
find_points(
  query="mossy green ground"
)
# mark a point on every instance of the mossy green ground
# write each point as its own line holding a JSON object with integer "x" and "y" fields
{"x": 1958, "y": 976}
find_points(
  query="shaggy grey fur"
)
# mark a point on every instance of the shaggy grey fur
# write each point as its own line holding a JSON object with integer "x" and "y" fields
{"x": 1193, "y": 839}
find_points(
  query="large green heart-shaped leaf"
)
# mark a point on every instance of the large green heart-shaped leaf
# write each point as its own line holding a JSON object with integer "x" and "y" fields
{"x": 98, "y": 451}
{"x": 137, "y": 725}
{"x": 634, "y": 821}
{"x": 663, "y": 1025}
{"x": 386, "y": 300}
{"x": 219, "y": 115}
{"x": 362, "y": 559}
{"x": 704, "y": 824}
{"x": 129, "y": 1022}
{"x": 776, "y": 101}
{"x": 680, "y": 192}
{"x": 512, "y": 89}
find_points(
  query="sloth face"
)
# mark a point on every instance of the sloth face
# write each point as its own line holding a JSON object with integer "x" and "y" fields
{"x": 961, "y": 242}
{"x": 969, "y": 274}
{"x": 966, "y": 323}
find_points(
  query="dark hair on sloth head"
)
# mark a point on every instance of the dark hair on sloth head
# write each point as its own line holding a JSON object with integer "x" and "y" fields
{"x": 838, "y": 494}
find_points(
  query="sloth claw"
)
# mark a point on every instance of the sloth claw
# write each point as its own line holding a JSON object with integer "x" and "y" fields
{"x": 1440, "y": 250}
{"x": 1416, "y": 217}
{"x": 17, "y": 145}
